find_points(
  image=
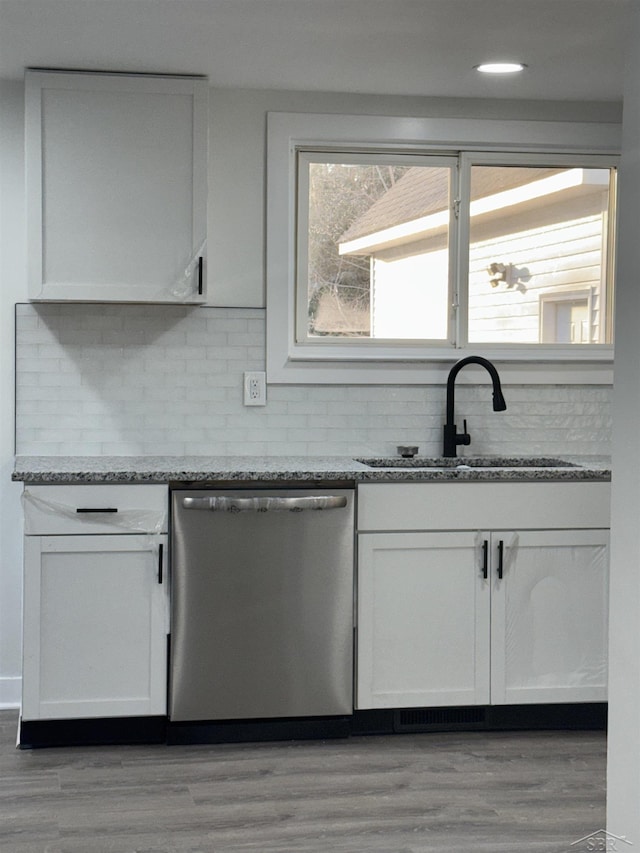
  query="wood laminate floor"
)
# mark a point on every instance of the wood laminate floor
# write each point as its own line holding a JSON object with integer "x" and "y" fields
{"x": 474, "y": 791}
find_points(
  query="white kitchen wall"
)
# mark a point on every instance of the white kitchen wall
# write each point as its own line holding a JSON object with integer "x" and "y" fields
{"x": 12, "y": 289}
{"x": 123, "y": 380}
{"x": 623, "y": 778}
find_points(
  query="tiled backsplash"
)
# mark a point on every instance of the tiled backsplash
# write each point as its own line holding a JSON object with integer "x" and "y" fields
{"x": 167, "y": 380}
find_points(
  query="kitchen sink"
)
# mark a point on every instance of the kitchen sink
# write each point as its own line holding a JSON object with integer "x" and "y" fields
{"x": 464, "y": 462}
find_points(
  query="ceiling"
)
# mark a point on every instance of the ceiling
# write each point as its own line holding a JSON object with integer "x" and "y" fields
{"x": 574, "y": 48}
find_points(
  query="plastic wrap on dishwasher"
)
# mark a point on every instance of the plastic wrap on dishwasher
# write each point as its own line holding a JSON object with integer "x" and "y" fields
{"x": 264, "y": 504}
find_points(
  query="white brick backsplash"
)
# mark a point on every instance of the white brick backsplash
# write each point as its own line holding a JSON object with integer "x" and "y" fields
{"x": 167, "y": 380}
{"x": 246, "y": 448}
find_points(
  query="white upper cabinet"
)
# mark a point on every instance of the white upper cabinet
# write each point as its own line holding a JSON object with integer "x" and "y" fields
{"x": 116, "y": 187}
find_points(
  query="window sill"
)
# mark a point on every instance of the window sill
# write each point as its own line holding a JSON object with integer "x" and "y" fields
{"x": 520, "y": 369}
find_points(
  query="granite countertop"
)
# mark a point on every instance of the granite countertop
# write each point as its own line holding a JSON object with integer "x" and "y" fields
{"x": 164, "y": 469}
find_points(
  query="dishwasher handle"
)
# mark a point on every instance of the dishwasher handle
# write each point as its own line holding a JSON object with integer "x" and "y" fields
{"x": 226, "y": 504}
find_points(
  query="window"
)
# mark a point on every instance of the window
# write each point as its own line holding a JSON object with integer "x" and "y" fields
{"x": 377, "y": 239}
{"x": 536, "y": 234}
{"x": 373, "y": 247}
{"x": 418, "y": 254}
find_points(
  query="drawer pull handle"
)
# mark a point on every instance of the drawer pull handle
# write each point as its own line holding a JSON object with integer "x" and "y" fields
{"x": 160, "y": 554}
{"x": 500, "y": 558}
{"x": 485, "y": 559}
{"x": 200, "y": 263}
{"x": 97, "y": 509}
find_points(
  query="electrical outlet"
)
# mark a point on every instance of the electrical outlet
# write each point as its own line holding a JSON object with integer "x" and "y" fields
{"x": 255, "y": 388}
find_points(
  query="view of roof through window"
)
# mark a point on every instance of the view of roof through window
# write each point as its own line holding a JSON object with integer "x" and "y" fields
{"x": 537, "y": 264}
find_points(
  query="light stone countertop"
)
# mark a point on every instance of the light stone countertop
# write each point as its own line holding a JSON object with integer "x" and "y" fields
{"x": 57, "y": 470}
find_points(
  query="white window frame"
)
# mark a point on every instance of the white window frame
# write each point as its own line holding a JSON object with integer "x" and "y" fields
{"x": 303, "y": 362}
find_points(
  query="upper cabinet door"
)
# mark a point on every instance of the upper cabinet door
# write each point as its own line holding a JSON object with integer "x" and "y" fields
{"x": 116, "y": 187}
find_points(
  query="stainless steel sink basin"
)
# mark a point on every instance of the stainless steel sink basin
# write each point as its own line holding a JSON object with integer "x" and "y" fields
{"x": 464, "y": 462}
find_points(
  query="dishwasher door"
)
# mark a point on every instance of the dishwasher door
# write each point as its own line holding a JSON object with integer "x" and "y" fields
{"x": 262, "y": 604}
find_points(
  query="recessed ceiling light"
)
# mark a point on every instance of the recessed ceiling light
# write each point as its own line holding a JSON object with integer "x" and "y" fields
{"x": 500, "y": 67}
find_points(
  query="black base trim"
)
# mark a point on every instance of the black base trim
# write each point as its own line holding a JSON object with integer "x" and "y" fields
{"x": 239, "y": 731}
{"x": 130, "y": 730}
{"x": 580, "y": 716}
{"x": 95, "y": 732}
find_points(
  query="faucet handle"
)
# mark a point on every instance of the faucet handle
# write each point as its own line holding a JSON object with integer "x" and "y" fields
{"x": 464, "y": 437}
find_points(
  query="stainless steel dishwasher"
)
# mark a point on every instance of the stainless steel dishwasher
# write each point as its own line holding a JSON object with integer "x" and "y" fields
{"x": 262, "y": 603}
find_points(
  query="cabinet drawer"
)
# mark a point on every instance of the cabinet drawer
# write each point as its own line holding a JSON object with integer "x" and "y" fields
{"x": 52, "y": 510}
{"x": 483, "y": 505}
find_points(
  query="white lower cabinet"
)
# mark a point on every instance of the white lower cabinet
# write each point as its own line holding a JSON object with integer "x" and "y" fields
{"x": 95, "y": 605}
{"x": 549, "y": 616}
{"x": 475, "y": 616}
{"x": 423, "y": 621}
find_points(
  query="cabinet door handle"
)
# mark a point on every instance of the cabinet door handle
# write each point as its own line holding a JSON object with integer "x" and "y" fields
{"x": 485, "y": 559}
{"x": 200, "y": 280}
{"x": 500, "y": 558}
{"x": 160, "y": 561}
{"x": 97, "y": 509}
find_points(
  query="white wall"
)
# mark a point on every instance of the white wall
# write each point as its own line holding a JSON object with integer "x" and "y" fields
{"x": 236, "y": 268}
{"x": 623, "y": 773}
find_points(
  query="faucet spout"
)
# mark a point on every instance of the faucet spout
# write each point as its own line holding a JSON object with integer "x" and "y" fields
{"x": 452, "y": 438}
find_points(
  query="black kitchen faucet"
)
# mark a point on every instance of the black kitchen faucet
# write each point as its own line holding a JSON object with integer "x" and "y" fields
{"x": 452, "y": 438}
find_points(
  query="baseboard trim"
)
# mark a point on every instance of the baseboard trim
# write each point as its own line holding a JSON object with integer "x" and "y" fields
{"x": 241, "y": 731}
{"x": 159, "y": 730}
{"x": 580, "y": 716}
{"x": 95, "y": 732}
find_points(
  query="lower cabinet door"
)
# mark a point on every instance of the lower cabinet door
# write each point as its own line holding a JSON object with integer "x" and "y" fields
{"x": 95, "y": 626}
{"x": 549, "y": 616}
{"x": 423, "y": 620}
